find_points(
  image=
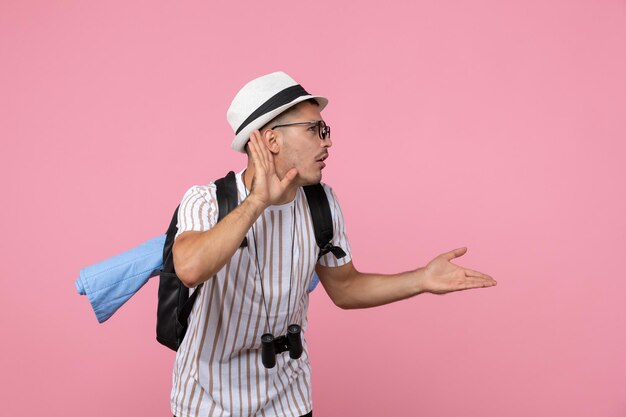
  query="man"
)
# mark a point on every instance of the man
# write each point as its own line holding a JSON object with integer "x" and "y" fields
{"x": 259, "y": 289}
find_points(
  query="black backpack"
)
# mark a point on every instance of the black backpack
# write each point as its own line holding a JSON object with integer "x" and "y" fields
{"x": 175, "y": 304}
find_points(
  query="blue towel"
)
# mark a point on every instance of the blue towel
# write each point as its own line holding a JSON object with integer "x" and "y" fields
{"x": 110, "y": 283}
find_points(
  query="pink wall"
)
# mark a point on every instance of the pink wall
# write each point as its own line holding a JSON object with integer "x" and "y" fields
{"x": 496, "y": 125}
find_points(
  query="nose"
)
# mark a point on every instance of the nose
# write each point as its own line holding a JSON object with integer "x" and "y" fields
{"x": 327, "y": 143}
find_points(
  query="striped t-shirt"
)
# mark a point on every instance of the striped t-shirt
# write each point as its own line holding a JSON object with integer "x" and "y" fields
{"x": 218, "y": 369}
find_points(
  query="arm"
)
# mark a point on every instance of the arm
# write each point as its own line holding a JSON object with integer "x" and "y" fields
{"x": 349, "y": 288}
{"x": 199, "y": 255}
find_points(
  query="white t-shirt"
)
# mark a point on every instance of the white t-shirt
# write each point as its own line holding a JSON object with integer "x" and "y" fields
{"x": 218, "y": 369}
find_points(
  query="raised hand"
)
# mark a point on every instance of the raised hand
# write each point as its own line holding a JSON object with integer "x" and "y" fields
{"x": 267, "y": 187}
{"x": 441, "y": 276}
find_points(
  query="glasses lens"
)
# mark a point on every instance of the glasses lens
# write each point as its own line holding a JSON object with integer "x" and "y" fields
{"x": 324, "y": 130}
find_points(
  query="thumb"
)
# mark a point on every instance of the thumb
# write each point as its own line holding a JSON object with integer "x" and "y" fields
{"x": 289, "y": 176}
{"x": 455, "y": 253}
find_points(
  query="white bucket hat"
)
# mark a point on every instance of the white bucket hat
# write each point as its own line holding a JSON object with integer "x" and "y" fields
{"x": 260, "y": 101}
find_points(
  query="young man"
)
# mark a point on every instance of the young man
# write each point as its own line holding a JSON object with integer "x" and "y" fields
{"x": 251, "y": 291}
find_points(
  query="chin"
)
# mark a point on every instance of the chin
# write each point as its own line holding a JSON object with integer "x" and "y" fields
{"x": 317, "y": 178}
{"x": 311, "y": 179}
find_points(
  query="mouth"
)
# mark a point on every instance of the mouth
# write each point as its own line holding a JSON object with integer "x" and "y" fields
{"x": 322, "y": 158}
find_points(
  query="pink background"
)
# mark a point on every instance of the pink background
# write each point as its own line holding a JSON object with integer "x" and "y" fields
{"x": 496, "y": 125}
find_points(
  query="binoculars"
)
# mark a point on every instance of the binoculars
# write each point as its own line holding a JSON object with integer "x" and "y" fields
{"x": 271, "y": 346}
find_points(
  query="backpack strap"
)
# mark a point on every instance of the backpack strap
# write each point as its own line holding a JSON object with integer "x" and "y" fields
{"x": 227, "y": 198}
{"x": 185, "y": 311}
{"x": 322, "y": 220}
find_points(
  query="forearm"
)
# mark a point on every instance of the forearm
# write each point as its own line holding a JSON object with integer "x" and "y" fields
{"x": 365, "y": 290}
{"x": 198, "y": 256}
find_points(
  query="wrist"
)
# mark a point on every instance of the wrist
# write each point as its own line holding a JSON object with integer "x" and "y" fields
{"x": 256, "y": 204}
{"x": 418, "y": 280}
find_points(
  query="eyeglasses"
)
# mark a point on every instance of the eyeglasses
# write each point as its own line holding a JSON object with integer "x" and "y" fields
{"x": 322, "y": 128}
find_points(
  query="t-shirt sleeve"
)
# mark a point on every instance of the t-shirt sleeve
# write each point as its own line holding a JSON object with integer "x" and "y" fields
{"x": 340, "y": 238}
{"x": 198, "y": 209}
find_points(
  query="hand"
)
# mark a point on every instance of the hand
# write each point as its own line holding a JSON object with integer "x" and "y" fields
{"x": 267, "y": 188}
{"x": 441, "y": 276}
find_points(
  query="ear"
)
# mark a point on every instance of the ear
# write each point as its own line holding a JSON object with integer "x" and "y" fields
{"x": 270, "y": 137}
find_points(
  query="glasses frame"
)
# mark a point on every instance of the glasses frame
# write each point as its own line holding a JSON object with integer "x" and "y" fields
{"x": 321, "y": 126}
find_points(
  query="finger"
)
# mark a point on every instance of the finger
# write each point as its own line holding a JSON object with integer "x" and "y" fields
{"x": 268, "y": 155}
{"x": 256, "y": 158}
{"x": 271, "y": 167}
{"x": 469, "y": 283}
{"x": 263, "y": 151}
{"x": 476, "y": 283}
{"x": 253, "y": 151}
{"x": 289, "y": 177}
{"x": 454, "y": 253}
{"x": 472, "y": 273}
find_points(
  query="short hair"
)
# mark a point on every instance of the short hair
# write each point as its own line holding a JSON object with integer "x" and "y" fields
{"x": 282, "y": 116}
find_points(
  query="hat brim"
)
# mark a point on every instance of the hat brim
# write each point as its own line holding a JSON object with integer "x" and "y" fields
{"x": 239, "y": 143}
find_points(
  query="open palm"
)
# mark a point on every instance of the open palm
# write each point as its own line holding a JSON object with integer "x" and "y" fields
{"x": 442, "y": 276}
{"x": 266, "y": 185}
